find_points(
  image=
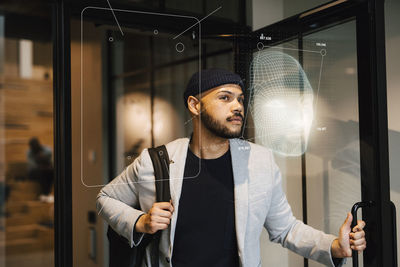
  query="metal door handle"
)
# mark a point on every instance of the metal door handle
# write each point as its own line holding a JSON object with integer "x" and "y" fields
{"x": 354, "y": 223}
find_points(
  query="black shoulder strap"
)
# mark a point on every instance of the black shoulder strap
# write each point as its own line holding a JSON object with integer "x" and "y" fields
{"x": 121, "y": 254}
{"x": 159, "y": 157}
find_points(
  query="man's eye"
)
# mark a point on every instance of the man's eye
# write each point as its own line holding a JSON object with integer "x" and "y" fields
{"x": 224, "y": 97}
{"x": 241, "y": 100}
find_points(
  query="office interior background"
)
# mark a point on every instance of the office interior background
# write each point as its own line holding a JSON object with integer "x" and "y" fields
{"x": 126, "y": 83}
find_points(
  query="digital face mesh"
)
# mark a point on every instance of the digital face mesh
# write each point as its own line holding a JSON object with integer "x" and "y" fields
{"x": 281, "y": 102}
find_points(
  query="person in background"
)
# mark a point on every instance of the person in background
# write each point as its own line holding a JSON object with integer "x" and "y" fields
{"x": 40, "y": 168}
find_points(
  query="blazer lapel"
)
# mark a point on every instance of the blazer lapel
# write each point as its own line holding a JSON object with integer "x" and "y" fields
{"x": 176, "y": 171}
{"x": 240, "y": 155}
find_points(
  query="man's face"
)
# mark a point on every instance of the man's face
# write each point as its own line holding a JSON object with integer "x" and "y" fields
{"x": 222, "y": 110}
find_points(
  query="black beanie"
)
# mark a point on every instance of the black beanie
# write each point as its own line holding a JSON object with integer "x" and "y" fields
{"x": 210, "y": 78}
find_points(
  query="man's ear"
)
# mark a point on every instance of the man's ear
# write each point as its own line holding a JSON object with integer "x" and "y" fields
{"x": 193, "y": 105}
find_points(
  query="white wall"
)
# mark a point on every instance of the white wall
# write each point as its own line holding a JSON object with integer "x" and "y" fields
{"x": 266, "y": 12}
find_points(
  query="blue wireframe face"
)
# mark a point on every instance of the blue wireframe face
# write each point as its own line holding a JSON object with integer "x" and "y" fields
{"x": 281, "y": 103}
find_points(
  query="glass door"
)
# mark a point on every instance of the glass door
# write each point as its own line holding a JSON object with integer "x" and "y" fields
{"x": 27, "y": 178}
{"x": 130, "y": 68}
{"x": 318, "y": 101}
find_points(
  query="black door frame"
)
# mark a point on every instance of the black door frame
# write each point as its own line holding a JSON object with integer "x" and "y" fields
{"x": 62, "y": 134}
{"x": 371, "y": 63}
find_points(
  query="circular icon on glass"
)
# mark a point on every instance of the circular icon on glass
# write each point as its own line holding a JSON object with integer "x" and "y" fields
{"x": 180, "y": 47}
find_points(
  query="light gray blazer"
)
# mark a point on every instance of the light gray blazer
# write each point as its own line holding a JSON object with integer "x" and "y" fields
{"x": 259, "y": 202}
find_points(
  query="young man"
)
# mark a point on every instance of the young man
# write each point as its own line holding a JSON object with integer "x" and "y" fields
{"x": 223, "y": 191}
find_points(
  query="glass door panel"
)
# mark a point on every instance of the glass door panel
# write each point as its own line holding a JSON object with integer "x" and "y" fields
{"x": 267, "y": 60}
{"x": 26, "y": 135}
{"x": 127, "y": 88}
{"x": 304, "y": 106}
{"x": 332, "y": 160}
{"x": 392, "y": 26}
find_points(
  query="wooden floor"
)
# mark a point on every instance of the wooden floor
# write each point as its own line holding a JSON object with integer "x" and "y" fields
{"x": 34, "y": 259}
{"x": 27, "y": 237}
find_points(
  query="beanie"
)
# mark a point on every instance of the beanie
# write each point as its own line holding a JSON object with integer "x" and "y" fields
{"x": 205, "y": 80}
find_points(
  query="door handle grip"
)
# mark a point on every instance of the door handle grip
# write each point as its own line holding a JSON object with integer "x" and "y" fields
{"x": 354, "y": 210}
{"x": 394, "y": 231}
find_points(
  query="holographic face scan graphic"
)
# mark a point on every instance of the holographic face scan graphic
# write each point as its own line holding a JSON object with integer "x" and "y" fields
{"x": 281, "y": 103}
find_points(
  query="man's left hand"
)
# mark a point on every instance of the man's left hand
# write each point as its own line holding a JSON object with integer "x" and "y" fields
{"x": 349, "y": 239}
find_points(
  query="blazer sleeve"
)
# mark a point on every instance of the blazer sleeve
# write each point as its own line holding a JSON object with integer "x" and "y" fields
{"x": 118, "y": 201}
{"x": 293, "y": 234}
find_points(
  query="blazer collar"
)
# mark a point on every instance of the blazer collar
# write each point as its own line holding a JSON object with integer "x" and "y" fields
{"x": 176, "y": 171}
{"x": 240, "y": 150}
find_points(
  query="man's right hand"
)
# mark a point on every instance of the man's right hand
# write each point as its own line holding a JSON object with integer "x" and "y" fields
{"x": 158, "y": 218}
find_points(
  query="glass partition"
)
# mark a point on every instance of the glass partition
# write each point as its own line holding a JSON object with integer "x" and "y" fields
{"x": 26, "y": 134}
{"x": 304, "y": 107}
{"x": 392, "y": 26}
{"x": 150, "y": 73}
{"x": 127, "y": 88}
{"x": 332, "y": 161}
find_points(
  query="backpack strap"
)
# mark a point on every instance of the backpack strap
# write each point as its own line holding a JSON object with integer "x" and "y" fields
{"x": 159, "y": 157}
{"x": 121, "y": 254}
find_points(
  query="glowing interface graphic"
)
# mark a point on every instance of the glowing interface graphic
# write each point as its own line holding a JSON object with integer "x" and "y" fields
{"x": 133, "y": 105}
{"x": 281, "y": 99}
{"x": 281, "y": 102}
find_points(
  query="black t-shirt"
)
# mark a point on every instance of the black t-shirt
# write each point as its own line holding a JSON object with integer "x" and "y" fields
{"x": 205, "y": 230}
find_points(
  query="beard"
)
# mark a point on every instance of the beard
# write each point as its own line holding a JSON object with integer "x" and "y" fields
{"x": 219, "y": 129}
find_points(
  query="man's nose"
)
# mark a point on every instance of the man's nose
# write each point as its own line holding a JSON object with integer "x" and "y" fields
{"x": 237, "y": 106}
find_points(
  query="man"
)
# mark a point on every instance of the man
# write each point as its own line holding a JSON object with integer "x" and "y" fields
{"x": 225, "y": 189}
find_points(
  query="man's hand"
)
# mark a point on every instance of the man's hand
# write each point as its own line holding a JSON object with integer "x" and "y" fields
{"x": 349, "y": 239}
{"x": 158, "y": 218}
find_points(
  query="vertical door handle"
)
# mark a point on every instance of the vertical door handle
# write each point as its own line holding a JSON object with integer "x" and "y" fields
{"x": 354, "y": 223}
{"x": 394, "y": 232}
